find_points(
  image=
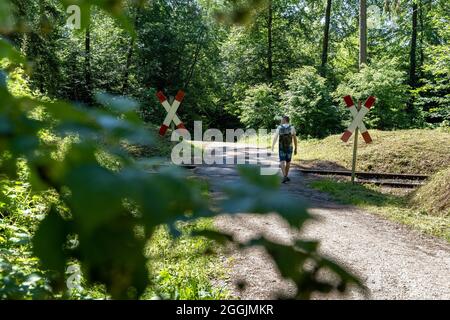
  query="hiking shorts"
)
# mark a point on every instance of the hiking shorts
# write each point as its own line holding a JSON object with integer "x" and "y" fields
{"x": 285, "y": 156}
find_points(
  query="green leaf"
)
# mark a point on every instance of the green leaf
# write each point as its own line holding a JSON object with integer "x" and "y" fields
{"x": 248, "y": 198}
{"x": 49, "y": 240}
{"x": 166, "y": 198}
{"x": 9, "y": 52}
{"x": 96, "y": 195}
{"x": 252, "y": 174}
{"x": 302, "y": 264}
{"x": 3, "y": 79}
{"x": 6, "y": 17}
{"x": 345, "y": 276}
{"x": 288, "y": 260}
{"x": 113, "y": 255}
{"x": 258, "y": 194}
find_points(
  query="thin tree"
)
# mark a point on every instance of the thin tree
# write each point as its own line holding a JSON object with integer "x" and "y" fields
{"x": 362, "y": 32}
{"x": 270, "y": 42}
{"x": 413, "y": 47}
{"x": 131, "y": 45}
{"x": 326, "y": 39}
{"x": 87, "y": 62}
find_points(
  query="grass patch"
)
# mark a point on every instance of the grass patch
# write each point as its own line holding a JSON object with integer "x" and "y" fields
{"x": 402, "y": 151}
{"x": 184, "y": 268}
{"x": 434, "y": 197}
{"x": 393, "y": 207}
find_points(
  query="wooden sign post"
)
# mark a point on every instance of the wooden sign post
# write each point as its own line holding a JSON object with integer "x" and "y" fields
{"x": 356, "y": 125}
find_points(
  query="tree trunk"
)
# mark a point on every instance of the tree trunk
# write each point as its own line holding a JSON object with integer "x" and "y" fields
{"x": 362, "y": 33}
{"x": 422, "y": 32}
{"x": 413, "y": 47}
{"x": 270, "y": 43}
{"x": 125, "y": 83}
{"x": 413, "y": 56}
{"x": 326, "y": 39}
{"x": 87, "y": 65}
{"x": 127, "y": 66}
{"x": 194, "y": 61}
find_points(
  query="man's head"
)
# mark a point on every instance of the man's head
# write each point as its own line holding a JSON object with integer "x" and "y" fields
{"x": 285, "y": 119}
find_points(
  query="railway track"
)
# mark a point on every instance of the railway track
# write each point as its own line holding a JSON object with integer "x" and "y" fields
{"x": 397, "y": 180}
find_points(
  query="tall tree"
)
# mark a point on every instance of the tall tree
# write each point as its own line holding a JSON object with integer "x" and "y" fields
{"x": 130, "y": 51}
{"x": 87, "y": 62}
{"x": 270, "y": 42}
{"x": 362, "y": 32}
{"x": 326, "y": 38}
{"x": 422, "y": 36}
{"x": 413, "y": 46}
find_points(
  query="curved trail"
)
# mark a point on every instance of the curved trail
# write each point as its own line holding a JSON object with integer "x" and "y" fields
{"x": 393, "y": 261}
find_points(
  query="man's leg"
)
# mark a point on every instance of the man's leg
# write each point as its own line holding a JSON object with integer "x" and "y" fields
{"x": 288, "y": 164}
{"x": 283, "y": 168}
{"x": 286, "y": 169}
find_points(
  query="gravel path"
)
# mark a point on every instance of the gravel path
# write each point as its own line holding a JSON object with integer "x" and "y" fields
{"x": 393, "y": 261}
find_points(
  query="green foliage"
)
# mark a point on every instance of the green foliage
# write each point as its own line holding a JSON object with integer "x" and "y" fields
{"x": 434, "y": 95}
{"x": 9, "y": 52}
{"x": 259, "y": 107}
{"x": 20, "y": 277}
{"x": 383, "y": 80}
{"x": 20, "y": 211}
{"x": 6, "y": 17}
{"x": 307, "y": 101}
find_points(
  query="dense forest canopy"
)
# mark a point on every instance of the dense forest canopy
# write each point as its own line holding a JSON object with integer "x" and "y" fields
{"x": 297, "y": 57}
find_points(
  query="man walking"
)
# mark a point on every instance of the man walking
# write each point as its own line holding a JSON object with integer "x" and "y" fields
{"x": 284, "y": 134}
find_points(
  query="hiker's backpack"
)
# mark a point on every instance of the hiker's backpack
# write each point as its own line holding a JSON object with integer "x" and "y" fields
{"x": 285, "y": 138}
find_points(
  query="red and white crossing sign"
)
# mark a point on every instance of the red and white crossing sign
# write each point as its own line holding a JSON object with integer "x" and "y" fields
{"x": 171, "y": 111}
{"x": 358, "y": 118}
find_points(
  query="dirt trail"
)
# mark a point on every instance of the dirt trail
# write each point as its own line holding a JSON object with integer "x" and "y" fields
{"x": 393, "y": 261}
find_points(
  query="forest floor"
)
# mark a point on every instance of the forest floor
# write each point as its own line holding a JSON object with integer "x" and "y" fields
{"x": 393, "y": 260}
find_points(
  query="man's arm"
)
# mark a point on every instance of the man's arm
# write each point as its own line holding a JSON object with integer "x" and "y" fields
{"x": 275, "y": 139}
{"x": 295, "y": 144}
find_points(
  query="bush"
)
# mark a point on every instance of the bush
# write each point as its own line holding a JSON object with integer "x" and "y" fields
{"x": 434, "y": 197}
{"x": 307, "y": 101}
{"x": 384, "y": 81}
{"x": 258, "y": 107}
